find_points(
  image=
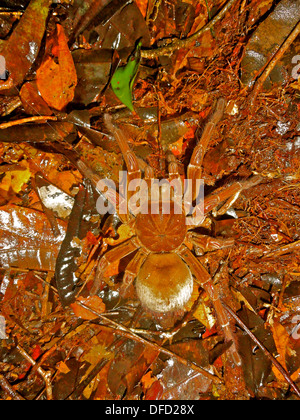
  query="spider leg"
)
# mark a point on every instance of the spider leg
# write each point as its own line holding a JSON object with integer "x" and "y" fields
{"x": 172, "y": 166}
{"x": 132, "y": 270}
{"x": 132, "y": 165}
{"x": 108, "y": 193}
{"x": 204, "y": 279}
{"x": 204, "y": 243}
{"x": 232, "y": 192}
{"x": 109, "y": 258}
{"x": 194, "y": 171}
{"x": 175, "y": 179}
{"x": 149, "y": 175}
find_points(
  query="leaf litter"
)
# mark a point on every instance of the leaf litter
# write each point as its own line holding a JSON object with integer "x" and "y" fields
{"x": 107, "y": 346}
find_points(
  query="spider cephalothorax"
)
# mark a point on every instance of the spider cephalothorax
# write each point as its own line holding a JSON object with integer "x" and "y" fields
{"x": 163, "y": 265}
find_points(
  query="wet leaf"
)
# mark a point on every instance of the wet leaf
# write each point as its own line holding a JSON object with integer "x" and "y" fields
{"x": 177, "y": 381}
{"x": 94, "y": 302}
{"x": 118, "y": 25}
{"x": 267, "y": 39}
{"x": 93, "y": 70}
{"x": 68, "y": 260}
{"x": 22, "y": 48}
{"x": 15, "y": 180}
{"x": 26, "y": 239}
{"x": 281, "y": 339}
{"x": 257, "y": 367}
{"x": 32, "y": 101}
{"x": 56, "y": 77}
{"x": 129, "y": 366}
{"x": 182, "y": 75}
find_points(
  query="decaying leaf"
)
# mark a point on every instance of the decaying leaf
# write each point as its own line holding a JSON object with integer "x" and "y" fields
{"x": 22, "y": 47}
{"x": 94, "y": 303}
{"x": 26, "y": 239}
{"x": 60, "y": 64}
{"x": 56, "y": 77}
{"x": 15, "y": 180}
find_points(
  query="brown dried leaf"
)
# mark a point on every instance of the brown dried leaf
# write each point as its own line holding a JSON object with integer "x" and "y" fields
{"x": 57, "y": 78}
{"x": 22, "y": 48}
{"x": 93, "y": 302}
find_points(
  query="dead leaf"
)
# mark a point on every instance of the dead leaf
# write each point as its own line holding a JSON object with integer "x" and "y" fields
{"x": 93, "y": 302}
{"x": 32, "y": 101}
{"x": 15, "y": 180}
{"x": 57, "y": 78}
{"x": 22, "y": 47}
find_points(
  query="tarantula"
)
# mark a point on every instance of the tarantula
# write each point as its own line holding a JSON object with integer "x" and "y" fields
{"x": 163, "y": 266}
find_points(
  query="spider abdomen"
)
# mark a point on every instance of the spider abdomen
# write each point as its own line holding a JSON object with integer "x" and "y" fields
{"x": 164, "y": 283}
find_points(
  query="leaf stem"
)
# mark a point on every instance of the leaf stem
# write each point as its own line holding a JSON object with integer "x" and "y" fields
{"x": 186, "y": 42}
{"x": 264, "y": 349}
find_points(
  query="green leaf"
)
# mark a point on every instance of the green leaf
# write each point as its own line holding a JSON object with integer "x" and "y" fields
{"x": 123, "y": 78}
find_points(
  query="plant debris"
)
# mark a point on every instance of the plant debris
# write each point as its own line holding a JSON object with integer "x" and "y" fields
{"x": 204, "y": 88}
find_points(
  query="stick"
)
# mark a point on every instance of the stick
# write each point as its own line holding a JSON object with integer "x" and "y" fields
{"x": 133, "y": 336}
{"x": 45, "y": 375}
{"x": 264, "y": 349}
{"x": 4, "y": 384}
{"x": 184, "y": 43}
{"x": 285, "y": 249}
{"x": 27, "y": 120}
{"x": 284, "y": 47}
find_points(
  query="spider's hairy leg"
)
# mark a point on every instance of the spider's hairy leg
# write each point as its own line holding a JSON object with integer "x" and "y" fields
{"x": 219, "y": 111}
{"x": 175, "y": 179}
{"x": 111, "y": 195}
{"x": 149, "y": 175}
{"x": 115, "y": 254}
{"x": 132, "y": 270}
{"x": 205, "y": 243}
{"x": 194, "y": 171}
{"x": 232, "y": 192}
{"x": 172, "y": 166}
{"x": 134, "y": 172}
{"x": 204, "y": 279}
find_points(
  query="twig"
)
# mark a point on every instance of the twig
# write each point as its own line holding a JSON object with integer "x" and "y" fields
{"x": 78, "y": 391}
{"x": 131, "y": 335}
{"x": 45, "y": 375}
{"x": 186, "y": 318}
{"x": 264, "y": 349}
{"x": 184, "y": 43}
{"x": 169, "y": 334}
{"x": 282, "y": 49}
{"x": 96, "y": 370}
{"x": 27, "y": 120}
{"x": 4, "y": 384}
{"x": 285, "y": 249}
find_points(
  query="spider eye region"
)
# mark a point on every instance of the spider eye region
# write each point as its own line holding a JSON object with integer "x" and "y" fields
{"x": 164, "y": 283}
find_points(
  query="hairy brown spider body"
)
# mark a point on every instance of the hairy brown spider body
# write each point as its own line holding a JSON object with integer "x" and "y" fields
{"x": 161, "y": 232}
{"x": 164, "y": 283}
{"x": 164, "y": 266}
